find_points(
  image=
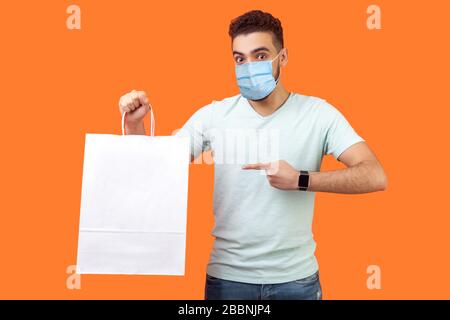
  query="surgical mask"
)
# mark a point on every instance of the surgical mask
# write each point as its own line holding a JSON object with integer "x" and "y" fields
{"x": 255, "y": 79}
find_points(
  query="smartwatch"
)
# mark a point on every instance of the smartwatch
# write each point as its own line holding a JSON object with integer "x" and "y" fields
{"x": 303, "y": 180}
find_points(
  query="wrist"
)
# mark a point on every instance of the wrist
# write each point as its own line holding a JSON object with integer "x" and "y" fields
{"x": 295, "y": 180}
{"x": 134, "y": 122}
{"x": 135, "y": 127}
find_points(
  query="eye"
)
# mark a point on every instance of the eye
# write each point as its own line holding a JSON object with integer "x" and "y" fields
{"x": 238, "y": 59}
{"x": 261, "y": 56}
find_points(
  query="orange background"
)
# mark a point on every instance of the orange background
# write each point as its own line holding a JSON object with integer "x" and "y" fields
{"x": 391, "y": 84}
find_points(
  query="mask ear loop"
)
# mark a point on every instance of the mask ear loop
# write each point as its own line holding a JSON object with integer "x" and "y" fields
{"x": 279, "y": 73}
{"x": 152, "y": 122}
{"x": 276, "y": 56}
{"x": 279, "y": 76}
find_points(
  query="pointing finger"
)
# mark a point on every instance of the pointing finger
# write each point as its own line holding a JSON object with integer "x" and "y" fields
{"x": 256, "y": 166}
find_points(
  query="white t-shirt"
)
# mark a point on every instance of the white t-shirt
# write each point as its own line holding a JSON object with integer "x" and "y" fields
{"x": 263, "y": 234}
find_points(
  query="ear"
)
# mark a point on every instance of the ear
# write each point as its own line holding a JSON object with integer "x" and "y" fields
{"x": 284, "y": 57}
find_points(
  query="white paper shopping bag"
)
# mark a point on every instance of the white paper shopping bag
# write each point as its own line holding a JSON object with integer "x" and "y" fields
{"x": 133, "y": 204}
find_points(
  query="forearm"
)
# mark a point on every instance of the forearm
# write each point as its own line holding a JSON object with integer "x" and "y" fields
{"x": 135, "y": 128}
{"x": 364, "y": 177}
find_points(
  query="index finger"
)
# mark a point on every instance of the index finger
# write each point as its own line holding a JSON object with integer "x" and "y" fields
{"x": 256, "y": 166}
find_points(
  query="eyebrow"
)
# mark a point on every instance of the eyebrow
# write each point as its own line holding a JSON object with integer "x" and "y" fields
{"x": 253, "y": 51}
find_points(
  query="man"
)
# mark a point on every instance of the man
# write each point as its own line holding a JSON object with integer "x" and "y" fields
{"x": 263, "y": 202}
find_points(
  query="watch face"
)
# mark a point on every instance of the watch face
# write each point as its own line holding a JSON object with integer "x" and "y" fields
{"x": 303, "y": 181}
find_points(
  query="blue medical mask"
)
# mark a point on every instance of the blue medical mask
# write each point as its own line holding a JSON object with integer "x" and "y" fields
{"x": 255, "y": 79}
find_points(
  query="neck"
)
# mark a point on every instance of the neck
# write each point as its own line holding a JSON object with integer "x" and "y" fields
{"x": 272, "y": 102}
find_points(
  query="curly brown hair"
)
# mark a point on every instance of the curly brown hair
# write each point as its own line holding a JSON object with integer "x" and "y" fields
{"x": 257, "y": 20}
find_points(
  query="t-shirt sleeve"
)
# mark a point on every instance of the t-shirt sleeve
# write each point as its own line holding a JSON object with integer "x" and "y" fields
{"x": 196, "y": 128}
{"x": 339, "y": 134}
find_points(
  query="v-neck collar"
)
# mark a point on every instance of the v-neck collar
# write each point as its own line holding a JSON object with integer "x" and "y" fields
{"x": 278, "y": 110}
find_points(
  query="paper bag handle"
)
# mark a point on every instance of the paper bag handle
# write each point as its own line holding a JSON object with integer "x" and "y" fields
{"x": 152, "y": 122}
